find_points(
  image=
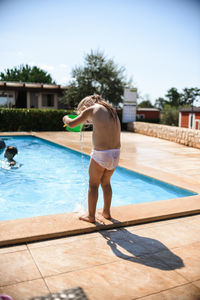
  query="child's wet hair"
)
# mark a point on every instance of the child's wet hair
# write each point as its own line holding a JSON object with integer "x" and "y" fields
{"x": 12, "y": 150}
{"x": 93, "y": 99}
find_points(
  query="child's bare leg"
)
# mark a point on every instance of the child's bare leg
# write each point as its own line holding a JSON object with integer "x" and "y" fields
{"x": 95, "y": 173}
{"x": 107, "y": 193}
{"x": 92, "y": 202}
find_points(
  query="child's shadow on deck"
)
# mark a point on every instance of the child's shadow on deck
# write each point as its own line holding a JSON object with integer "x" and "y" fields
{"x": 143, "y": 250}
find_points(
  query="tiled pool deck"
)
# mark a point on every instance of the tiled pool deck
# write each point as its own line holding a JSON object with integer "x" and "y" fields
{"x": 152, "y": 261}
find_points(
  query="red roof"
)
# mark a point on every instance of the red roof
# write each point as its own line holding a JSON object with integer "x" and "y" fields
{"x": 190, "y": 109}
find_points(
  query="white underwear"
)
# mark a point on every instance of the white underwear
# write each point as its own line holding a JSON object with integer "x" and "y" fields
{"x": 107, "y": 159}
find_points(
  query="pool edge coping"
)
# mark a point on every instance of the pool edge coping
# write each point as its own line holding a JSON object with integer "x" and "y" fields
{"x": 34, "y": 229}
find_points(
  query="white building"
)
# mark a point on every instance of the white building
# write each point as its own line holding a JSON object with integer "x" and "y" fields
{"x": 129, "y": 105}
{"x": 29, "y": 95}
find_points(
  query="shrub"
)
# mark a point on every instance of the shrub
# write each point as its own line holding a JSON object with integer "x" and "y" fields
{"x": 169, "y": 115}
{"x": 22, "y": 119}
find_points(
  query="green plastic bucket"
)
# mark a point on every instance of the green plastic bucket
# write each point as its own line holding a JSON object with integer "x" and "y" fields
{"x": 75, "y": 129}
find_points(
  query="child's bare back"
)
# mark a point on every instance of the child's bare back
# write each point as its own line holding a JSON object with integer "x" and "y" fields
{"x": 106, "y": 130}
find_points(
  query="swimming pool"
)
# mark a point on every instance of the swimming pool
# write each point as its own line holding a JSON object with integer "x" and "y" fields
{"x": 53, "y": 179}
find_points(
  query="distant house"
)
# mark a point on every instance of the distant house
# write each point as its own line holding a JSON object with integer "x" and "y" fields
{"x": 30, "y": 95}
{"x": 189, "y": 117}
{"x": 148, "y": 115}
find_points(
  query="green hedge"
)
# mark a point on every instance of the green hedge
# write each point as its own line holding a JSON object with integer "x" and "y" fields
{"x": 22, "y": 119}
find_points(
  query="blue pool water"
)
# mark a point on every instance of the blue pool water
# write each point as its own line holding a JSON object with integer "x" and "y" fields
{"x": 53, "y": 179}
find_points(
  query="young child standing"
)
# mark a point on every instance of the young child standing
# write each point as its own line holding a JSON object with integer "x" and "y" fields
{"x": 106, "y": 150}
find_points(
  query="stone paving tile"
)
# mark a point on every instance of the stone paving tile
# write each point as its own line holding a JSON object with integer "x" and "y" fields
{"x": 173, "y": 235}
{"x": 25, "y": 290}
{"x": 111, "y": 249}
{"x": 71, "y": 256}
{"x": 13, "y": 249}
{"x": 190, "y": 256}
{"x": 155, "y": 224}
{"x": 186, "y": 260}
{"x": 189, "y": 219}
{"x": 130, "y": 240}
{"x": 119, "y": 280}
{"x": 70, "y": 239}
{"x": 197, "y": 283}
{"x": 59, "y": 241}
{"x": 17, "y": 267}
{"x": 184, "y": 292}
{"x": 194, "y": 220}
{"x": 107, "y": 247}
{"x": 146, "y": 238}
{"x": 171, "y": 259}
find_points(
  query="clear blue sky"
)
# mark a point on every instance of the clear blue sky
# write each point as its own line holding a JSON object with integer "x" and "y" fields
{"x": 157, "y": 41}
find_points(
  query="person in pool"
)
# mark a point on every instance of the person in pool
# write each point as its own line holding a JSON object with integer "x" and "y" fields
{"x": 10, "y": 152}
{"x": 106, "y": 150}
{"x": 2, "y": 146}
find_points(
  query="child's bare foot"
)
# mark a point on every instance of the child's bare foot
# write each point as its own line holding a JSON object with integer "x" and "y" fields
{"x": 99, "y": 217}
{"x": 87, "y": 219}
{"x": 106, "y": 215}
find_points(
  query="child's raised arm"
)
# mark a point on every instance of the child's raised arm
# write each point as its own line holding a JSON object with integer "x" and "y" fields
{"x": 84, "y": 115}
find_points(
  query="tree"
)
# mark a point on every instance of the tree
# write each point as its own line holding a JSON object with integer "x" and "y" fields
{"x": 174, "y": 97}
{"x": 160, "y": 102}
{"x": 190, "y": 95}
{"x": 145, "y": 104}
{"x": 98, "y": 75}
{"x": 25, "y": 73}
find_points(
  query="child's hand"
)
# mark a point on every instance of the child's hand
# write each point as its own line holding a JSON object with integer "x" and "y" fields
{"x": 66, "y": 120}
{"x": 89, "y": 121}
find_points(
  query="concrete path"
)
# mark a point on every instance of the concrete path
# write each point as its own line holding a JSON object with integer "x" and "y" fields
{"x": 153, "y": 261}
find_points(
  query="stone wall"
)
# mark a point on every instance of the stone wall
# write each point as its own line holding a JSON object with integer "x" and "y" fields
{"x": 184, "y": 136}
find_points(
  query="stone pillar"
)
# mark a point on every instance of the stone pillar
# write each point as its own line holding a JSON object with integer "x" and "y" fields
{"x": 28, "y": 102}
{"x": 55, "y": 101}
{"x": 40, "y": 100}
